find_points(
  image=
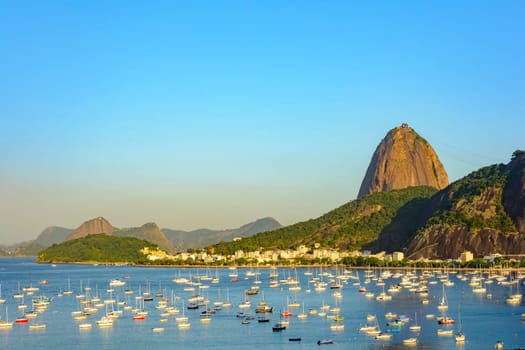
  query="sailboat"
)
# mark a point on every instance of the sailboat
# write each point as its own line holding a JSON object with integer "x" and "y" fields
{"x": 182, "y": 321}
{"x": 415, "y": 327}
{"x": 227, "y": 303}
{"x": 460, "y": 337}
{"x": 5, "y": 323}
{"x": 1, "y": 300}
{"x": 279, "y": 326}
{"x": 302, "y": 315}
{"x": 68, "y": 291}
{"x": 443, "y": 303}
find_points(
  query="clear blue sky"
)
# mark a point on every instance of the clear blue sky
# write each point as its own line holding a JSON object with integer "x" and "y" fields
{"x": 212, "y": 114}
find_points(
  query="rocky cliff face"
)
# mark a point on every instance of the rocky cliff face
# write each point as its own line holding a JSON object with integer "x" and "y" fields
{"x": 483, "y": 213}
{"x": 514, "y": 191}
{"x": 93, "y": 226}
{"x": 403, "y": 159}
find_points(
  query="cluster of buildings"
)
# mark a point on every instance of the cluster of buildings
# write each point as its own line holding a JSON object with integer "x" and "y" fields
{"x": 270, "y": 256}
{"x": 302, "y": 253}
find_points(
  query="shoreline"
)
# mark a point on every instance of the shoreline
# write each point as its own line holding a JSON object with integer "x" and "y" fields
{"x": 329, "y": 266}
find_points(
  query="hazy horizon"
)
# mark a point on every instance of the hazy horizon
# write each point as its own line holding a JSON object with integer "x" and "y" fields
{"x": 213, "y": 114}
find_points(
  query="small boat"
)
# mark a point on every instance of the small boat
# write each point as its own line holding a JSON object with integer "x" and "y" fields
{"x": 85, "y": 326}
{"x": 445, "y": 331}
{"x": 116, "y": 283}
{"x": 104, "y": 322}
{"x": 410, "y": 341}
{"x": 384, "y": 336}
{"x": 37, "y": 326}
{"x": 499, "y": 345}
{"x": 446, "y": 320}
{"x": 286, "y": 313}
{"x": 294, "y": 339}
{"x": 157, "y": 329}
{"x": 460, "y": 337}
{"x": 21, "y": 320}
{"x": 183, "y": 325}
{"x": 337, "y": 327}
{"x": 278, "y": 327}
{"x": 325, "y": 341}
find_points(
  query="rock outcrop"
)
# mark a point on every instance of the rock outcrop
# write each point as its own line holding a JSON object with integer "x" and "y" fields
{"x": 90, "y": 227}
{"x": 514, "y": 191}
{"x": 403, "y": 159}
{"x": 150, "y": 232}
{"x": 483, "y": 213}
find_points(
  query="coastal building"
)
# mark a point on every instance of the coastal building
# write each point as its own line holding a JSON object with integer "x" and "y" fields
{"x": 466, "y": 256}
{"x": 490, "y": 258}
{"x": 398, "y": 256}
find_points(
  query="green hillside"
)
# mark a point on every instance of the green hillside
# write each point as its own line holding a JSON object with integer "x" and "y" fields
{"x": 476, "y": 201}
{"x": 96, "y": 248}
{"x": 350, "y": 226}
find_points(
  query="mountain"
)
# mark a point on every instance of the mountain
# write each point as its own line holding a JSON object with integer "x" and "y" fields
{"x": 52, "y": 235}
{"x": 403, "y": 159}
{"x": 93, "y": 226}
{"x": 183, "y": 240}
{"x": 352, "y": 225}
{"x": 149, "y": 232}
{"x": 484, "y": 213}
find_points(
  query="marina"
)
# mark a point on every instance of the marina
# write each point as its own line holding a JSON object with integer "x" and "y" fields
{"x": 114, "y": 307}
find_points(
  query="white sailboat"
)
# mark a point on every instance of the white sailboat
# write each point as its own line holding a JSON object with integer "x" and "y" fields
{"x": 443, "y": 305}
{"x": 459, "y": 336}
{"x": 5, "y": 323}
{"x": 415, "y": 327}
{"x": 1, "y": 300}
{"x": 68, "y": 291}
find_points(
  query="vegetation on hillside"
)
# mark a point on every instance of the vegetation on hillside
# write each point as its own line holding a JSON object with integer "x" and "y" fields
{"x": 475, "y": 201}
{"x": 348, "y": 227}
{"x": 97, "y": 248}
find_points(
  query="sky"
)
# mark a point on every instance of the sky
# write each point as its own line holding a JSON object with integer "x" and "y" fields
{"x": 211, "y": 114}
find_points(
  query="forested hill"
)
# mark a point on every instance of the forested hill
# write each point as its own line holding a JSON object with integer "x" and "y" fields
{"x": 97, "y": 248}
{"x": 350, "y": 226}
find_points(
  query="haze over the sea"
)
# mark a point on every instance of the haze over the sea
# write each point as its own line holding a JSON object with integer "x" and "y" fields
{"x": 216, "y": 113}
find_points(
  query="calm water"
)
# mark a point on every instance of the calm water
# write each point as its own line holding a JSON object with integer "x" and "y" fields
{"x": 483, "y": 320}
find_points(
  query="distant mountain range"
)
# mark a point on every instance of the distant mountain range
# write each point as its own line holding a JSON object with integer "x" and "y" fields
{"x": 168, "y": 239}
{"x": 405, "y": 204}
{"x": 183, "y": 240}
